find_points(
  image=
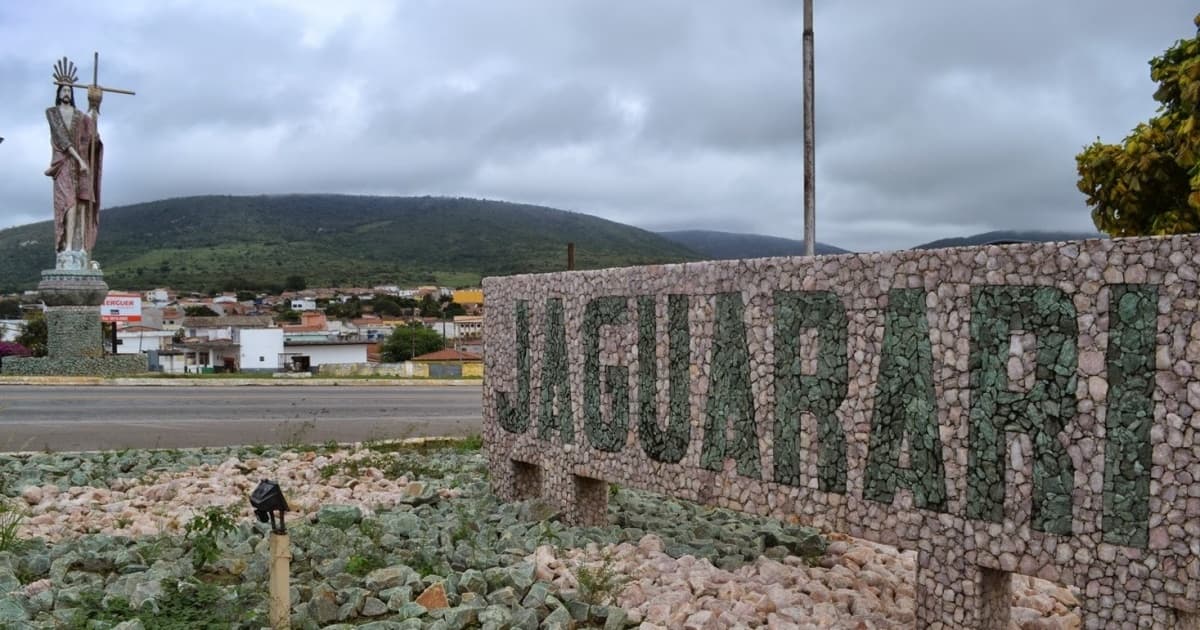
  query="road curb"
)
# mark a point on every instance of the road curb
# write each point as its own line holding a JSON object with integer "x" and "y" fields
{"x": 233, "y": 382}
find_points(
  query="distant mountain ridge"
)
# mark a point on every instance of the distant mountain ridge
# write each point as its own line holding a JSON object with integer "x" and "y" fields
{"x": 1010, "y": 236}
{"x": 249, "y": 242}
{"x": 731, "y": 245}
{"x": 221, "y": 242}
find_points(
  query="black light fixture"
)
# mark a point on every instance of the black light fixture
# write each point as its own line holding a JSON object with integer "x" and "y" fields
{"x": 267, "y": 499}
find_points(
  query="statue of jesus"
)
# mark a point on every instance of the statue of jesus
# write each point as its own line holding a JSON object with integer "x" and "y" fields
{"x": 75, "y": 166}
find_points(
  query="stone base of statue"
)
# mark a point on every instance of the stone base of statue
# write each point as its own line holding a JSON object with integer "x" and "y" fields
{"x": 75, "y": 338}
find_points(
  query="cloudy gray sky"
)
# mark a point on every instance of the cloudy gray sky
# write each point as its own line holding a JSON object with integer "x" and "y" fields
{"x": 936, "y": 118}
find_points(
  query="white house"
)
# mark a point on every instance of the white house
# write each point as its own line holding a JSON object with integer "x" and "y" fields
{"x": 158, "y": 297}
{"x": 303, "y": 304}
{"x": 259, "y": 348}
{"x": 142, "y": 339}
{"x": 304, "y": 355}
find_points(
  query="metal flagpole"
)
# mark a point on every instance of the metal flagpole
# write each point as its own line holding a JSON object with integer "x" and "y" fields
{"x": 810, "y": 193}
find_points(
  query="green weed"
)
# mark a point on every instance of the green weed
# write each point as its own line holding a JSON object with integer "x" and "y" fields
{"x": 204, "y": 530}
{"x": 11, "y": 517}
{"x": 600, "y": 585}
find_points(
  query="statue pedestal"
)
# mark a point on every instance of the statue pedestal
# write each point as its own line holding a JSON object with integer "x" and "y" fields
{"x": 75, "y": 339}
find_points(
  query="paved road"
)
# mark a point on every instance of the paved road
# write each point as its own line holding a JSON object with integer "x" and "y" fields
{"x": 108, "y": 417}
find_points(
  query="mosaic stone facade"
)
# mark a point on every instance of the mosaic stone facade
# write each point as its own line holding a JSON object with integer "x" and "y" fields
{"x": 1005, "y": 409}
{"x": 75, "y": 347}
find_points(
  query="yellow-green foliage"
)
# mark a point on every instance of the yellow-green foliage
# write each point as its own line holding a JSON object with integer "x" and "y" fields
{"x": 1150, "y": 184}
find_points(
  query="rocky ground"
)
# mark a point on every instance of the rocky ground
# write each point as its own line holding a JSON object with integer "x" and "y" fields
{"x": 392, "y": 536}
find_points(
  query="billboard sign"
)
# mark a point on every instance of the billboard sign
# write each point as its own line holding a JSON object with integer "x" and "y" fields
{"x": 121, "y": 307}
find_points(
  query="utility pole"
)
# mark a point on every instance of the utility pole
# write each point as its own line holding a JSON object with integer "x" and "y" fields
{"x": 810, "y": 193}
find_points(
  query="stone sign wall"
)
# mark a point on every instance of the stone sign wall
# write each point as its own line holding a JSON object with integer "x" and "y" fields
{"x": 1023, "y": 408}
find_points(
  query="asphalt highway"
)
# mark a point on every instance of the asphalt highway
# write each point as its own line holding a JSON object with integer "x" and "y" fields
{"x": 70, "y": 418}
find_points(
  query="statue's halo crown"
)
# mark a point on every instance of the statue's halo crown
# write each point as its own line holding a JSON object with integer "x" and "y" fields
{"x": 64, "y": 72}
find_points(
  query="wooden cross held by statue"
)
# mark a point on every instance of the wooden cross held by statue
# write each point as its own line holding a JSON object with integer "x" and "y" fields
{"x": 95, "y": 78}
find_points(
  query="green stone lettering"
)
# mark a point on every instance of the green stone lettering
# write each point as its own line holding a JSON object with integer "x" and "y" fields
{"x": 670, "y": 444}
{"x": 515, "y": 418}
{"x": 905, "y": 406}
{"x": 819, "y": 394}
{"x": 1132, "y": 325}
{"x": 998, "y": 312}
{"x": 611, "y": 435}
{"x": 555, "y": 412}
{"x": 729, "y": 396}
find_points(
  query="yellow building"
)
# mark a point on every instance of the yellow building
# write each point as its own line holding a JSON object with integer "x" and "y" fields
{"x": 467, "y": 297}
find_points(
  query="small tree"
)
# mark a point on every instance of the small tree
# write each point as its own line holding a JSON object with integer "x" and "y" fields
{"x": 410, "y": 341}
{"x": 199, "y": 311}
{"x": 430, "y": 307}
{"x": 384, "y": 305}
{"x": 295, "y": 283}
{"x": 34, "y": 335}
{"x": 1150, "y": 184}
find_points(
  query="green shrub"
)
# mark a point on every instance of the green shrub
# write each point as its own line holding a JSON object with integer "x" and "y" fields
{"x": 205, "y": 529}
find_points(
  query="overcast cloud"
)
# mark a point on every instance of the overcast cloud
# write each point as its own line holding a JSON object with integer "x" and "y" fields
{"x": 934, "y": 119}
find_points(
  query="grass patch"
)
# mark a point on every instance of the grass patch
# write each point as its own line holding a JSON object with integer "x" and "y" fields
{"x": 184, "y": 605}
{"x": 10, "y": 521}
{"x": 469, "y": 444}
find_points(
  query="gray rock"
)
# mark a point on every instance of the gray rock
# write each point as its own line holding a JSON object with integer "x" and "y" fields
{"x": 37, "y": 564}
{"x": 339, "y": 516}
{"x": 427, "y": 496}
{"x": 133, "y": 624}
{"x": 495, "y": 617}
{"x": 382, "y": 625}
{"x": 42, "y": 602}
{"x": 521, "y": 576}
{"x": 11, "y": 611}
{"x": 331, "y": 567}
{"x": 8, "y": 580}
{"x": 617, "y": 619}
{"x": 69, "y": 596}
{"x": 579, "y": 610}
{"x": 474, "y": 600}
{"x": 461, "y": 617}
{"x": 560, "y": 619}
{"x": 473, "y": 581}
{"x": 409, "y": 610}
{"x": 536, "y": 595}
{"x": 525, "y": 619}
{"x": 343, "y": 581}
{"x": 506, "y": 596}
{"x": 372, "y": 607}
{"x": 323, "y": 606}
{"x": 62, "y": 564}
{"x": 390, "y": 577}
{"x": 354, "y": 598}
{"x": 402, "y": 524}
{"x": 397, "y": 597}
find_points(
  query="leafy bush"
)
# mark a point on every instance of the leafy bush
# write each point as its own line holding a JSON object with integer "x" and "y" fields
{"x": 34, "y": 335}
{"x": 205, "y": 529}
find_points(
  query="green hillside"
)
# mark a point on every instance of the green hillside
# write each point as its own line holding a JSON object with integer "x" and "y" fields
{"x": 227, "y": 243}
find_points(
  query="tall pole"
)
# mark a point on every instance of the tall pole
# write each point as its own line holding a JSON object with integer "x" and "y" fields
{"x": 810, "y": 192}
